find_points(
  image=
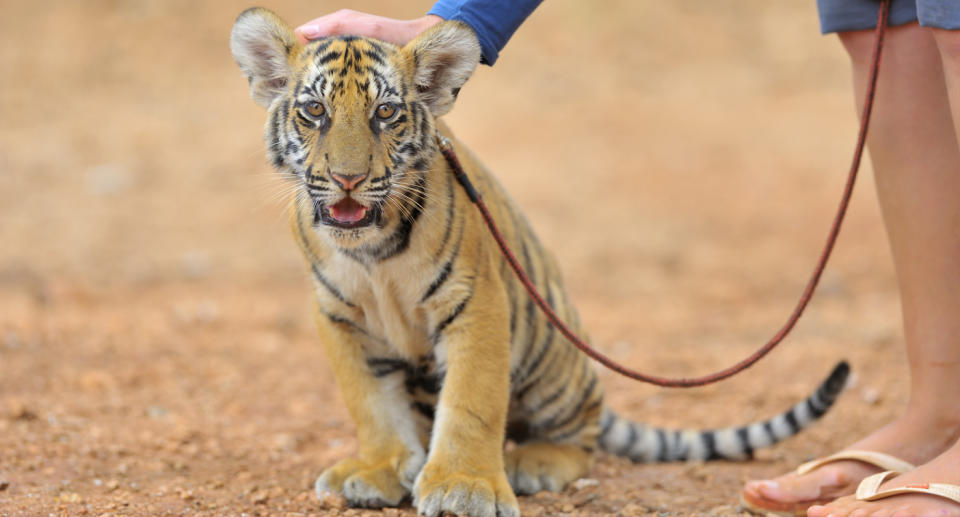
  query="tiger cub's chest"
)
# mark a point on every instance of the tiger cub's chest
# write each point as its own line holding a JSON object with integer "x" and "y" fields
{"x": 385, "y": 307}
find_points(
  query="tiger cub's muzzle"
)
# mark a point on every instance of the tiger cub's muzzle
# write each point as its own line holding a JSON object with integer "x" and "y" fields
{"x": 347, "y": 212}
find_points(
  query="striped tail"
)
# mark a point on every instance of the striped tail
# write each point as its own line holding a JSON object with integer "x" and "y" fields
{"x": 650, "y": 444}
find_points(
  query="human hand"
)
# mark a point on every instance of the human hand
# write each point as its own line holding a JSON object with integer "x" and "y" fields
{"x": 346, "y": 21}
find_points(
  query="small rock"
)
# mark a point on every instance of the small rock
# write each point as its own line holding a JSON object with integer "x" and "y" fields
{"x": 871, "y": 396}
{"x": 195, "y": 265}
{"x": 4, "y": 485}
{"x": 19, "y": 411}
{"x": 259, "y": 497}
{"x": 11, "y": 339}
{"x": 156, "y": 412}
{"x": 331, "y": 501}
{"x": 582, "y": 483}
{"x": 108, "y": 178}
{"x": 70, "y": 497}
{"x": 285, "y": 442}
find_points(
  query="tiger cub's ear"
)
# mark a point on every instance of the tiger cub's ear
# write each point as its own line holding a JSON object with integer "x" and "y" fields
{"x": 443, "y": 58}
{"x": 263, "y": 45}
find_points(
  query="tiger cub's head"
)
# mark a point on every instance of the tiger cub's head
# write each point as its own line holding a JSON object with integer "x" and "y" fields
{"x": 353, "y": 118}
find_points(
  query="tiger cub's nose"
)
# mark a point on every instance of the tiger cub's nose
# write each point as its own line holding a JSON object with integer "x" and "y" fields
{"x": 348, "y": 182}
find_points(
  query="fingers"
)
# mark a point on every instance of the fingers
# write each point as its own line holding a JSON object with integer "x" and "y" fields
{"x": 347, "y": 21}
{"x": 333, "y": 24}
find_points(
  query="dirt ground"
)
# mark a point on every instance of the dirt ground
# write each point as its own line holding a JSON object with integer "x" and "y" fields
{"x": 157, "y": 353}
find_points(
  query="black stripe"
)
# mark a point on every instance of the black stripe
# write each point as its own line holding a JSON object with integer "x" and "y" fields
{"x": 744, "y": 437}
{"x": 815, "y": 410}
{"x": 435, "y": 335}
{"x": 273, "y": 136}
{"x": 607, "y": 423}
{"x": 431, "y": 383}
{"x": 545, "y": 347}
{"x": 424, "y": 409}
{"x": 383, "y": 366}
{"x": 328, "y": 57}
{"x": 342, "y": 320}
{"x": 556, "y": 355}
{"x": 792, "y": 422}
{"x": 329, "y": 285}
{"x": 441, "y": 278}
{"x": 709, "y": 441}
{"x": 448, "y": 223}
{"x": 575, "y": 410}
{"x": 679, "y": 449}
{"x": 541, "y": 354}
{"x": 663, "y": 450}
{"x": 512, "y": 299}
{"x": 549, "y": 399}
{"x": 570, "y": 433}
{"x": 768, "y": 428}
{"x": 321, "y": 46}
{"x": 631, "y": 439}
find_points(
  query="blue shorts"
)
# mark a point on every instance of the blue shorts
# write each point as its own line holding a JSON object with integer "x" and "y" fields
{"x": 853, "y": 15}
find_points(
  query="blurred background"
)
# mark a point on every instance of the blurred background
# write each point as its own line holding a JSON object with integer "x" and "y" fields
{"x": 682, "y": 159}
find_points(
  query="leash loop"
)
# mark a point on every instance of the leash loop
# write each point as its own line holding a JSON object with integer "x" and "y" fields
{"x": 446, "y": 147}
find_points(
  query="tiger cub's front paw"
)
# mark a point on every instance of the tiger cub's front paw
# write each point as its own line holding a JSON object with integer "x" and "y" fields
{"x": 439, "y": 490}
{"x": 363, "y": 485}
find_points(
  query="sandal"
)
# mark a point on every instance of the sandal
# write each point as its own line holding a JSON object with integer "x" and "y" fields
{"x": 868, "y": 489}
{"x": 763, "y": 506}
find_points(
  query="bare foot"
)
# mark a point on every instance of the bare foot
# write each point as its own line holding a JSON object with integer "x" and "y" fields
{"x": 942, "y": 469}
{"x": 910, "y": 438}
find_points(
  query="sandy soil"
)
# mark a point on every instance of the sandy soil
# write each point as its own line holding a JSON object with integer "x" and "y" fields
{"x": 157, "y": 355}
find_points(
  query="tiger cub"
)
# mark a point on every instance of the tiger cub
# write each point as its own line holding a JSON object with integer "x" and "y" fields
{"x": 438, "y": 352}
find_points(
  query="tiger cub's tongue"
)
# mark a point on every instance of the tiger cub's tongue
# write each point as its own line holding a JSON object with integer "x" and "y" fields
{"x": 348, "y": 211}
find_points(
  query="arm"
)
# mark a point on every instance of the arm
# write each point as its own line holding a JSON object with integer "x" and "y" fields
{"x": 494, "y": 21}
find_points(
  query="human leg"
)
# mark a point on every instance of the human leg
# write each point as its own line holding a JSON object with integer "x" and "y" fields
{"x": 915, "y": 154}
{"x": 923, "y": 213}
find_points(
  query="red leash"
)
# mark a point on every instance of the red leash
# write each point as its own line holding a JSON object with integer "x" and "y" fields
{"x": 448, "y": 152}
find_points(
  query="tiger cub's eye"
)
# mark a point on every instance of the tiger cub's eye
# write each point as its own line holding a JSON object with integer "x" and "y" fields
{"x": 385, "y": 111}
{"x": 315, "y": 109}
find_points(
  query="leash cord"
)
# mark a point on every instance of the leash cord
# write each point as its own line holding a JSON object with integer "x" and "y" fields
{"x": 446, "y": 148}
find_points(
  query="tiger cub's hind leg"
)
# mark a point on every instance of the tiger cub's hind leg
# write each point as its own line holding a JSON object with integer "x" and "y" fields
{"x": 536, "y": 466}
{"x": 560, "y": 426}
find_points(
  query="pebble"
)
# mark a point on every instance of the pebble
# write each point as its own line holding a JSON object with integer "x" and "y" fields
{"x": 69, "y": 497}
{"x": 333, "y": 501}
{"x": 108, "y": 178}
{"x": 582, "y": 483}
{"x": 871, "y": 396}
{"x": 4, "y": 485}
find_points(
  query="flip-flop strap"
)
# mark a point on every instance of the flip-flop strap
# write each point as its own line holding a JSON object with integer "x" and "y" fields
{"x": 868, "y": 489}
{"x": 877, "y": 459}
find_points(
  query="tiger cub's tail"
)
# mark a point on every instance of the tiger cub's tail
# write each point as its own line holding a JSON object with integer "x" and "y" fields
{"x": 642, "y": 443}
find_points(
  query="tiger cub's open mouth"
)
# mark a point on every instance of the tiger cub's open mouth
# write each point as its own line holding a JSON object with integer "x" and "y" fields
{"x": 346, "y": 213}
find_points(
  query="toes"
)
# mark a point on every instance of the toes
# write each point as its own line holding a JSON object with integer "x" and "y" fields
{"x": 331, "y": 480}
{"x": 536, "y": 467}
{"x": 460, "y": 498}
{"x": 473, "y": 499}
{"x": 326, "y": 486}
{"x": 524, "y": 484}
{"x": 373, "y": 489}
{"x": 465, "y": 495}
{"x": 362, "y": 485}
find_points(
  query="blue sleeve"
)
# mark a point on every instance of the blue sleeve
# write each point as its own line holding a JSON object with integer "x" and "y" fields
{"x": 494, "y": 21}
